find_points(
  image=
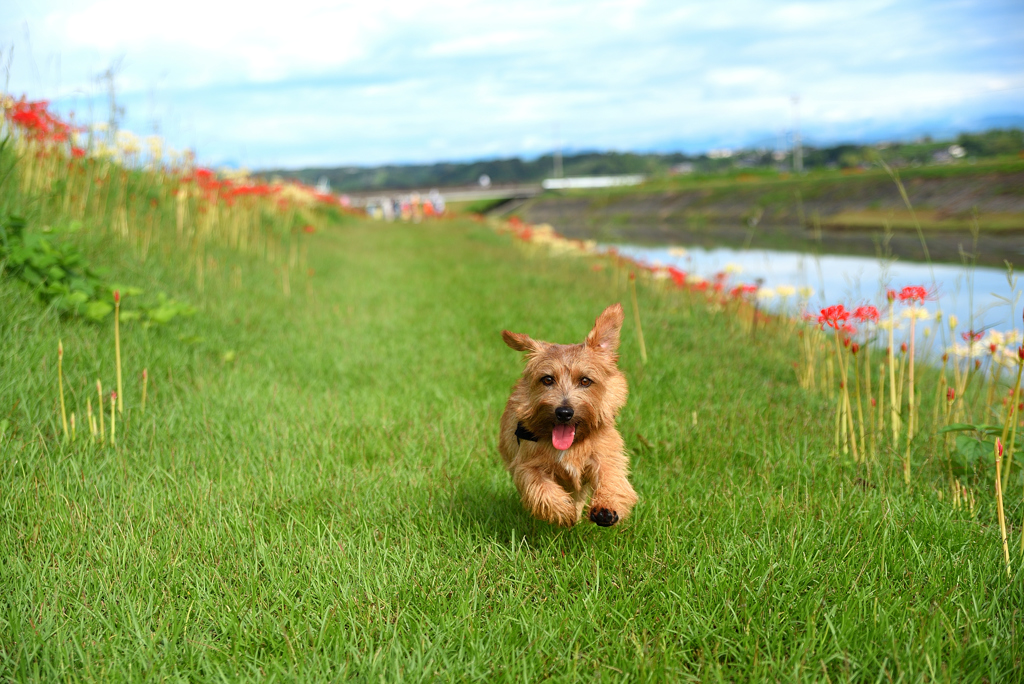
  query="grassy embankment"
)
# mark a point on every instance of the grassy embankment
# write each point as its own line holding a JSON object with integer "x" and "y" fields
{"x": 331, "y": 503}
{"x": 312, "y": 489}
{"x": 839, "y": 211}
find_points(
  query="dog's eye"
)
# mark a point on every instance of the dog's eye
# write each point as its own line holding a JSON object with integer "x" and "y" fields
{"x": 547, "y": 380}
{"x": 586, "y": 382}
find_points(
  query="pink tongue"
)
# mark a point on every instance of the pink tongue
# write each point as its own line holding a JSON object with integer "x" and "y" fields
{"x": 562, "y": 436}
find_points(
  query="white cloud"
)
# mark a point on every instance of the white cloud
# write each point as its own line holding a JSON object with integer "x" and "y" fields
{"x": 357, "y": 81}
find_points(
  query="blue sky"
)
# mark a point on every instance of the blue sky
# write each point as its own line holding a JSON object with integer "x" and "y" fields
{"x": 328, "y": 83}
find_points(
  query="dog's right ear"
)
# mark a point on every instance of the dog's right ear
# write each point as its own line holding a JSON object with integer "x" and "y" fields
{"x": 520, "y": 342}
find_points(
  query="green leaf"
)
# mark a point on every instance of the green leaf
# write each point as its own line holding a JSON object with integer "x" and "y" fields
{"x": 962, "y": 427}
{"x": 971, "y": 452}
{"x": 97, "y": 310}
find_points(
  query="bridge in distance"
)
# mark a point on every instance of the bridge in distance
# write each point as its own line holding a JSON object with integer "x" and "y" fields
{"x": 464, "y": 193}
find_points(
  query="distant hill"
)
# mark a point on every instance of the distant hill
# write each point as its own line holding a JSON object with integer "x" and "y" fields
{"x": 512, "y": 170}
{"x": 516, "y": 170}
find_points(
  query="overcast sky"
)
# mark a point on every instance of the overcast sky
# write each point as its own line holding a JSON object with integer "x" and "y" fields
{"x": 329, "y": 83}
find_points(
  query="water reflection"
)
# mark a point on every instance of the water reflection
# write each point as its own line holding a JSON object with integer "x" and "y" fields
{"x": 980, "y": 298}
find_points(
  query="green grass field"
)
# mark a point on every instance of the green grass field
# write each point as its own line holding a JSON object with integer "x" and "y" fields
{"x": 314, "y": 493}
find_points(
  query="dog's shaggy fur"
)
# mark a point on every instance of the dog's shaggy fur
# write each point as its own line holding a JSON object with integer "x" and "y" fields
{"x": 567, "y": 400}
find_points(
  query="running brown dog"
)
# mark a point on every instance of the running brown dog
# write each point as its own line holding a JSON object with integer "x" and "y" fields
{"x": 558, "y": 436}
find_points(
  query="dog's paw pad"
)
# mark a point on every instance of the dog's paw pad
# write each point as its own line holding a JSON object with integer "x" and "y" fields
{"x": 604, "y": 517}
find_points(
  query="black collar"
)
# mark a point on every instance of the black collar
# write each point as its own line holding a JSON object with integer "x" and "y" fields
{"x": 523, "y": 433}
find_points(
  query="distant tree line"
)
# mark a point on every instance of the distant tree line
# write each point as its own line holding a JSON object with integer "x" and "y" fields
{"x": 997, "y": 142}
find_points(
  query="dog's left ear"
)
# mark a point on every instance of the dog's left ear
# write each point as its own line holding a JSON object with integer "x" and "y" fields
{"x": 605, "y": 335}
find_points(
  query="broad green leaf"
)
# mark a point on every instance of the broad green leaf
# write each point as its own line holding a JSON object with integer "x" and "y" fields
{"x": 97, "y": 310}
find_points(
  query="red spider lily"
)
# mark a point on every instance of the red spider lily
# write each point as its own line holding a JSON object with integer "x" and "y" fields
{"x": 890, "y": 295}
{"x": 1020, "y": 353}
{"x": 866, "y": 314}
{"x": 912, "y": 294}
{"x": 971, "y": 337}
{"x": 854, "y": 348}
{"x": 741, "y": 290}
{"x": 833, "y": 317}
{"x": 874, "y": 402}
{"x": 849, "y": 329}
{"x": 999, "y": 448}
{"x": 678, "y": 277}
{"x": 950, "y": 394}
{"x": 903, "y": 347}
{"x": 77, "y": 152}
{"x": 38, "y": 122}
{"x": 308, "y": 229}
{"x": 117, "y": 296}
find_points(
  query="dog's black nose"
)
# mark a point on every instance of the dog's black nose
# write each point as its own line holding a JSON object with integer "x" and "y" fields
{"x": 564, "y": 413}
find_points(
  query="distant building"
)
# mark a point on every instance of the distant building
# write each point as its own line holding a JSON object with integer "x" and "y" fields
{"x": 591, "y": 182}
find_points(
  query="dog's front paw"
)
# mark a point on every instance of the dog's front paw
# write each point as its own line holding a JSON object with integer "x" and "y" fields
{"x": 605, "y": 517}
{"x": 561, "y": 512}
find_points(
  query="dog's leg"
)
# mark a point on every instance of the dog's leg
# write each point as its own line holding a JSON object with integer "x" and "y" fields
{"x": 544, "y": 498}
{"x": 614, "y": 497}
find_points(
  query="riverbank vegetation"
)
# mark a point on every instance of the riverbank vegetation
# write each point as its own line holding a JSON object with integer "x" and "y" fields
{"x": 305, "y": 483}
{"x": 969, "y": 148}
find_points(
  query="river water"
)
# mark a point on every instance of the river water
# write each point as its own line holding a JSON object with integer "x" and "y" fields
{"x": 977, "y": 297}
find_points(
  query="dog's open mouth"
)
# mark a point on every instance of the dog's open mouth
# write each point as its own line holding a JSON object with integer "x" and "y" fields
{"x": 562, "y": 436}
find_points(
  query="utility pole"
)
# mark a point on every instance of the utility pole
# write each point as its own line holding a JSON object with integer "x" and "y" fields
{"x": 798, "y": 150}
{"x": 558, "y": 153}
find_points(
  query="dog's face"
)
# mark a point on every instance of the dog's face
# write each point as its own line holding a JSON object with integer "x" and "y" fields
{"x": 568, "y": 391}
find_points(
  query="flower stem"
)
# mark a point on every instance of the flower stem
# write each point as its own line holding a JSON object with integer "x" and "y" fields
{"x": 860, "y": 409}
{"x": 60, "y": 386}
{"x": 1012, "y": 417}
{"x": 910, "y": 396}
{"x": 99, "y": 391}
{"x": 145, "y": 379}
{"x": 636, "y": 317}
{"x": 117, "y": 351}
{"x": 895, "y": 410}
{"x": 113, "y": 419}
{"x": 846, "y": 397}
{"x": 999, "y": 505}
